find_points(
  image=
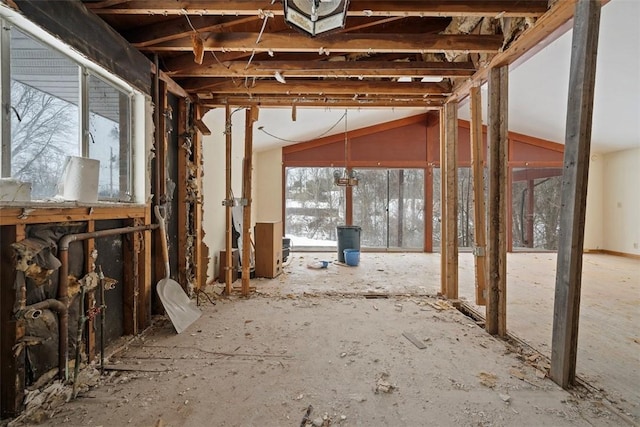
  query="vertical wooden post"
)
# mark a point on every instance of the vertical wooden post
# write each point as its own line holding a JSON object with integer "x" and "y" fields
{"x": 199, "y": 258}
{"x": 400, "y": 207}
{"x": 566, "y": 312}
{"x": 12, "y": 331}
{"x": 479, "y": 212}
{"x": 228, "y": 202}
{"x": 184, "y": 204}
{"x": 443, "y": 207}
{"x": 144, "y": 275}
{"x": 246, "y": 195}
{"x": 451, "y": 197}
{"x": 497, "y": 210}
{"x": 131, "y": 285}
{"x": 89, "y": 246}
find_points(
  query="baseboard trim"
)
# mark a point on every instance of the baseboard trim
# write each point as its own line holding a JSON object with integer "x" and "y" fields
{"x": 614, "y": 253}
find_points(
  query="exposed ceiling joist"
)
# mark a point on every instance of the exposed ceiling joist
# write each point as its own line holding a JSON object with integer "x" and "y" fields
{"x": 318, "y": 87}
{"x": 359, "y": 42}
{"x": 317, "y": 101}
{"x": 365, "y": 69}
{"x": 368, "y": 8}
{"x": 561, "y": 12}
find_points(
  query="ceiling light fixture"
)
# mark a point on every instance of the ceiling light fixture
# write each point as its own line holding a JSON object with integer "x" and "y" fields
{"x": 316, "y": 16}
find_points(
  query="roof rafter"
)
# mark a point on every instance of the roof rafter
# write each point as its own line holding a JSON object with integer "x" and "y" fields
{"x": 360, "y": 42}
{"x": 492, "y": 8}
{"x": 356, "y": 69}
{"x": 318, "y": 87}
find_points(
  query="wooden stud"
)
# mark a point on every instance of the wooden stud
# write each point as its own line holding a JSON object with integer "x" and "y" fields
{"x": 12, "y": 331}
{"x": 228, "y": 209}
{"x": 89, "y": 246}
{"x": 246, "y": 195}
{"x": 144, "y": 275}
{"x": 497, "y": 209}
{"x": 200, "y": 266}
{"x": 443, "y": 208}
{"x": 130, "y": 281}
{"x": 451, "y": 197}
{"x": 184, "y": 205}
{"x": 566, "y": 311}
{"x": 479, "y": 212}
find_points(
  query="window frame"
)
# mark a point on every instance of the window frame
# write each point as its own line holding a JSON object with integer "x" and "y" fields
{"x": 86, "y": 68}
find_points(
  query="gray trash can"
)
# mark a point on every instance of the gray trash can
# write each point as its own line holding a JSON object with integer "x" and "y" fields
{"x": 348, "y": 238}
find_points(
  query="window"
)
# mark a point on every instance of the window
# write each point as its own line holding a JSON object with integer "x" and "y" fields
{"x": 44, "y": 113}
{"x": 314, "y": 207}
{"x": 60, "y": 108}
{"x": 109, "y": 137}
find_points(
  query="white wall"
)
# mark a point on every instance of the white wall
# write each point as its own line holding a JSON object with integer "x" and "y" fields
{"x": 268, "y": 186}
{"x": 594, "y": 220}
{"x": 621, "y": 201}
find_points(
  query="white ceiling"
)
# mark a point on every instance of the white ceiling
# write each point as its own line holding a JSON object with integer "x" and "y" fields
{"x": 537, "y": 94}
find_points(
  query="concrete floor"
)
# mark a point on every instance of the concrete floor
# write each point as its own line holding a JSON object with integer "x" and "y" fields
{"x": 309, "y": 339}
{"x": 609, "y": 333}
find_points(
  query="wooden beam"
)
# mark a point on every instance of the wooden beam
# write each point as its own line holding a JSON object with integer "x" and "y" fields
{"x": 545, "y": 26}
{"x": 352, "y": 42}
{"x": 479, "y": 210}
{"x": 566, "y": 313}
{"x": 356, "y": 69}
{"x": 201, "y": 258}
{"x": 443, "y": 206}
{"x": 246, "y": 195}
{"x": 177, "y": 28}
{"x": 497, "y": 141}
{"x": 367, "y": 8}
{"x": 144, "y": 275}
{"x": 228, "y": 198}
{"x": 89, "y": 265}
{"x": 323, "y": 101}
{"x": 185, "y": 148}
{"x": 451, "y": 197}
{"x": 323, "y": 87}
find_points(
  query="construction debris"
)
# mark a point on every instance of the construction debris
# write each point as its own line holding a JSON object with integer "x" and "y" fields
{"x": 383, "y": 385}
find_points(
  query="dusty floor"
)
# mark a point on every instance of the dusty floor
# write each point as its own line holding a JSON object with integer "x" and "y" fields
{"x": 310, "y": 338}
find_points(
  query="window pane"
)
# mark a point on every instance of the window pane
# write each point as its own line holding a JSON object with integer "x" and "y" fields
{"x": 44, "y": 113}
{"x": 314, "y": 207}
{"x": 109, "y": 139}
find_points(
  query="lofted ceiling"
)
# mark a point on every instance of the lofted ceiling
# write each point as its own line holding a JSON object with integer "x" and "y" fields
{"x": 403, "y": 56}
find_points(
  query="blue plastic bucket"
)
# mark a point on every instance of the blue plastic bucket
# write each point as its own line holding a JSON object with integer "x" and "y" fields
{"x": 352, "y": 257}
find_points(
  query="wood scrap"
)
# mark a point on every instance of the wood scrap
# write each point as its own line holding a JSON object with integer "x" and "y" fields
{"x": 139, "y": 368}
{"x": 415, "y": 341}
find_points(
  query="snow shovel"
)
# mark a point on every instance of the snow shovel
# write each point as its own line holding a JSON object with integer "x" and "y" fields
{"x": 180, "y": 309}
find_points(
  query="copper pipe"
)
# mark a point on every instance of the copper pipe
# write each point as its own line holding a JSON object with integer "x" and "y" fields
{"x": 63, "y": 284}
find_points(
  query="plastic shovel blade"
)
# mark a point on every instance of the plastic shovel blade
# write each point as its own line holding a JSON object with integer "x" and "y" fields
{"x": 181, "y": 310}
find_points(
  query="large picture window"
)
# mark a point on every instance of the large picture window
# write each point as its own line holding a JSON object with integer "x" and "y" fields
{"x": 314, "y": 207}
{"x": 44, "y": 113}
{"x": 59, "y": 108}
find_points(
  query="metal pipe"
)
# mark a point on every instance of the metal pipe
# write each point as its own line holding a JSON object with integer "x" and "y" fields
{"x": 63, "y": 284}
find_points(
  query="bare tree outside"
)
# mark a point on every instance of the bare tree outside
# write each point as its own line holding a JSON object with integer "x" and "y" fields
{"x": 42, "y": 135}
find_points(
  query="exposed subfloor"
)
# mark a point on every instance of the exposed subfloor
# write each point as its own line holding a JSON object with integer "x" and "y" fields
{"x": 311, "y": 338}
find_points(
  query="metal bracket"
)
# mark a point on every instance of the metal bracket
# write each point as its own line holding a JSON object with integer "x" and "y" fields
{"x": 228, "y": 203}
{"x": 478, "y": 251}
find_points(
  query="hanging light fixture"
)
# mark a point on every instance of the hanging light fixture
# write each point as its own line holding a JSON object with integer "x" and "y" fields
{"x": 316, "y": 16}
{"x": 345, "y": 177}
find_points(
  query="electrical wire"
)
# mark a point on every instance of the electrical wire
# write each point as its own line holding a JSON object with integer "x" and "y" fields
{"x": 261, "y": 128}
